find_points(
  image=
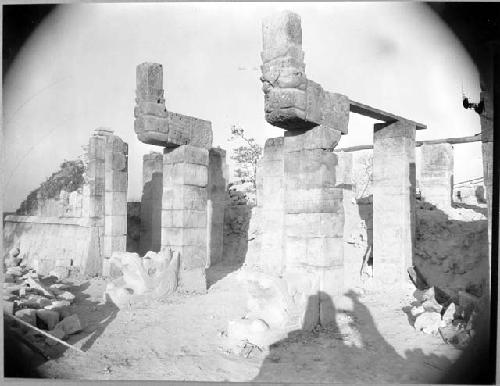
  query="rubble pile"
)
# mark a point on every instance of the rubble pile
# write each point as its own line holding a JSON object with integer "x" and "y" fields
{"x": 42, "y": 301}
{"x": 437, "y": 314}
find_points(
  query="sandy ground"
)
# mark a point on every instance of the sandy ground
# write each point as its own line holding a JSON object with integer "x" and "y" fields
{"x": 183, "y": 339}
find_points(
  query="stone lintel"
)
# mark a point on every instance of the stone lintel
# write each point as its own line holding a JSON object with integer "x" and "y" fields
{"x": 154, "y": 125}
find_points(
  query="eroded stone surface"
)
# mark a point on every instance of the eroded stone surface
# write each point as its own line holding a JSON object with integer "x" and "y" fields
{"x": 155, "y": 125}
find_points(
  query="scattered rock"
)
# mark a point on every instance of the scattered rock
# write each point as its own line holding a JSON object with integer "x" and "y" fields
{"x": 417, "y": 278}
{"x": 449, "y": 314}
{"x": 66, "y": 295}
{"x": 28, "y": 315}
{"x": 35, "y": 284}
{"x": 60, "y": 272}
{"x": 70, "y": 325}
{"x": 423, "y": 295}
{"x": 56, "y": 332}
{"x": 58, "y": 304}
{"x": 14, "y": 271}
{"x": 50, "y": 318}
{"x": 431, "y": 305}
{"x": 58, "y": 286}
{"x": 417, "y": 310}
{"x": 429, "y": 322}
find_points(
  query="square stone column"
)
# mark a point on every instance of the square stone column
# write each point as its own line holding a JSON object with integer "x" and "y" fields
{"x": 393, "y": 201}
{"x": 436, "y": 175}
{"x": 216, "y": 203}
{"x": 184, "y": 213}
{"x": 314, "y": 221}
{"x": 95, "y": 176}
{"x": 270, "y": 199}
{"x": 115, "y": 197}
{"x": 152, "y": 190}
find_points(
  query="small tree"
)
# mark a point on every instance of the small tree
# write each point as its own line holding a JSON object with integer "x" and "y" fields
{"x": 245, "y": 156}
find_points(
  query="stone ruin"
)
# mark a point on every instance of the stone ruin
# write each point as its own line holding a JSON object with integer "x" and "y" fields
{"x": 295, "y": 266}
{"x": 77, "y": 230}
{"x": 182, "y": 208}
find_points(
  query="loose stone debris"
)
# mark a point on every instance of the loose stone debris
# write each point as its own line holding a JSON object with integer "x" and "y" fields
{"x": 42, "y": 301}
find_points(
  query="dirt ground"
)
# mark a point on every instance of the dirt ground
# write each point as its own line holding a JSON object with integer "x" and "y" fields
{"x": 183, "y": 338}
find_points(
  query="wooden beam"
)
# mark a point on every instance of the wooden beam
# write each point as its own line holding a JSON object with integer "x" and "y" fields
{"x": 368, "y": 111}
{"x": 451, "y": 141}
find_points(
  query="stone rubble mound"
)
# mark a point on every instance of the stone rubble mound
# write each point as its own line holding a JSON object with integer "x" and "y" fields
{"x": 155, "y": 275}
{"x": 455, "y": 322}
{"x": 41, "y": 300}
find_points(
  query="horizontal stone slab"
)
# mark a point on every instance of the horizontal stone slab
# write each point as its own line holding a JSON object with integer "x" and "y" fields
{"x": 174, "y": 130}
{"x": 186, "y": 154}
{"x": 185, "y": 174}
{"x": 183, "y": 218}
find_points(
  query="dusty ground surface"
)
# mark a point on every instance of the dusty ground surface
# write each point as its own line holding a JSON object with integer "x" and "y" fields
{"x": 183, "y": 338}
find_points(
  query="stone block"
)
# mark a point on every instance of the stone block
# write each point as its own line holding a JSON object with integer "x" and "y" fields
{"x": 273, "y": 149}
{"x": 324, "y": 252}
{"x": 314, "y": 200}
{"x": 174, "y": 130}
{"x": 115, "y": 225}
{"x": 309, "y": 225}
{"x": 149, "y": 81}
{"x": 70, "y": 325}
{"x": 114, "y": 244}
{"x": 28, "y": 315}
{"x": 116, "y": 181}
{"x": 49, "y": 318}
{"x": 118, "y": 161}
{"x": 281, "y": 32}
{"x": 96, "y": 148}
{"x": 318, "y": 138}
{"x": 193, "y": 280}
{"x": 335, "y": 112}
{"x": 186, "y": 154}
{"x": 185, "y": 174}
{"x": 184, "y": 197}
{"x": 179, "y": 218}
{"x": 150, "y": 108}
{"x": 284, "y": 98}
{"x": 115, "y": 204}
{"x": 184, "y": 236}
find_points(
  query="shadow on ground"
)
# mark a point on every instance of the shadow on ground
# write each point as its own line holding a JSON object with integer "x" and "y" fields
{"x": 324, "y": 355}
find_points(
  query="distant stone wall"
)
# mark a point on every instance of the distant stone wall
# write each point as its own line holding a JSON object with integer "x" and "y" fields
{"x": 47, "y": 242}
{"x": 78, "y": 215}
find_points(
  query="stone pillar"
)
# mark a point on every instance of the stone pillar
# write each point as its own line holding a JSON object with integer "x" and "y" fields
{"x": 436, "y": 175}
{"x": 270, "y": 198}
{"x": 314, "y": 221}
{"x": 184, "y": 212}
{"x": 217, "y": 178}
{"x": 393, "y": 201}
{"x": 115, "y": 196}
{"x": 152, "y": 189}
{"x": 95, "y": 175}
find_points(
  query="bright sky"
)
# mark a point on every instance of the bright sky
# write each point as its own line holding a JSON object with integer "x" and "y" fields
{"x": 77, "y": 73}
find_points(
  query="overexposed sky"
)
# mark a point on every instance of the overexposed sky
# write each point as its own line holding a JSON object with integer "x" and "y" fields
{"x": 77, "y": 73}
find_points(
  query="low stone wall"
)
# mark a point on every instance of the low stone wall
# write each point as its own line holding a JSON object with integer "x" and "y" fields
{"x": 48, "y": 242}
